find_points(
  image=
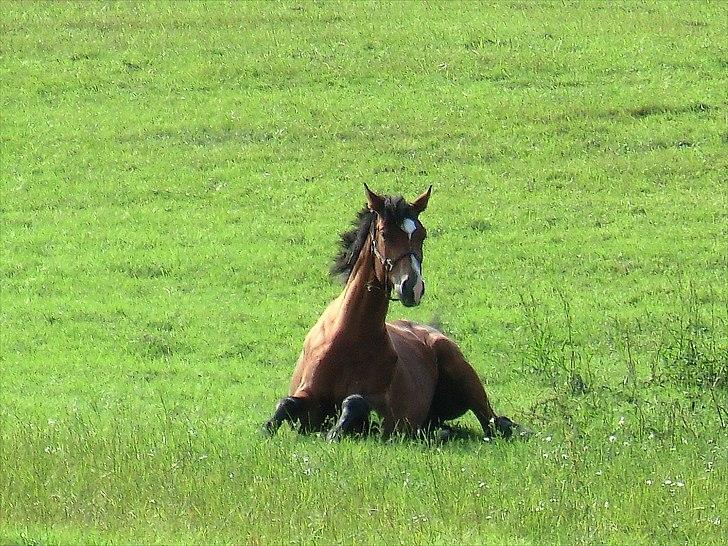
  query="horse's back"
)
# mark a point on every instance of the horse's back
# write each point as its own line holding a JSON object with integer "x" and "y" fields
{"x": 412, "y": 332}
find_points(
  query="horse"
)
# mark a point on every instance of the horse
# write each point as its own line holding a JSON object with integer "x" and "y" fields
{"x": 411, "y": 375}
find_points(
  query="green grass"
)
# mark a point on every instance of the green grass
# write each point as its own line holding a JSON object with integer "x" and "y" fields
{"x": 174, "y": 179}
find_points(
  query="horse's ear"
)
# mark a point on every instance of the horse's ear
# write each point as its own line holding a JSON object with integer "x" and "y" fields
{"x": 420, "y": 204}
{"x": 374, "y": 202}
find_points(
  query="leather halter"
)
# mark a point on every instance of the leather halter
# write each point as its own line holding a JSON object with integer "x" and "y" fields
{"x": 388, "y": 263}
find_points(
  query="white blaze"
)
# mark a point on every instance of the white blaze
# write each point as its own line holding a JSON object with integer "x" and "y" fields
{"x": 409, "y": 226}
{"x": 415, "y": 265}
{"x": 419, "y": 285}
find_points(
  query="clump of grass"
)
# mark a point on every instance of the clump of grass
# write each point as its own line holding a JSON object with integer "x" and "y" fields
{"x": 551, "y": 349}
{"x": 693, "y": 352}
{"x": 686, "y": 379}
{"x": 145, "y": 271}
{"x": 659, "y": 109}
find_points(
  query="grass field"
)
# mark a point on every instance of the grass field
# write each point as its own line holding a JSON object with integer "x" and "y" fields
{"x": 174, "y": 179}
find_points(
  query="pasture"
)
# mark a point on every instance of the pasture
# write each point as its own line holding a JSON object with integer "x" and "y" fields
{"x": 174, "y": 180}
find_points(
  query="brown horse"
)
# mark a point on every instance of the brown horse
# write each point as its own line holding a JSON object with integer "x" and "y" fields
{"x": 410, "y": 374}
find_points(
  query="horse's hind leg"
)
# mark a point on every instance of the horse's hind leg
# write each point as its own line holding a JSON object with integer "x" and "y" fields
{"x": 459, "y": 389}
{"x": 354, "y": 417}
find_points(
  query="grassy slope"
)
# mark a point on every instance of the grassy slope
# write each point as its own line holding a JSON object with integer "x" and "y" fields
{"x": 173, "y": 184}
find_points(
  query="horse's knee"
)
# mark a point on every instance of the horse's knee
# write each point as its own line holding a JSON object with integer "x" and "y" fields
{"x": 355, "y": 407}
{"x": 438, "y": 433}
{"x": 355, "y": 413}
{"x": 354, "y": 417}
{"x": 287, "y": 409}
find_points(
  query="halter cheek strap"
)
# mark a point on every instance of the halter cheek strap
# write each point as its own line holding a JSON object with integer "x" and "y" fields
{"x": 386, "y": 262}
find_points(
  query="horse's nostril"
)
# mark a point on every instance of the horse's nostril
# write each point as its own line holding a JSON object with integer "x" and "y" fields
{"x": 408, "y": 285}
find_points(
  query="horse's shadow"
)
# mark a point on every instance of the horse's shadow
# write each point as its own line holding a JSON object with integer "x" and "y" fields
{"x": 455, "y": 433}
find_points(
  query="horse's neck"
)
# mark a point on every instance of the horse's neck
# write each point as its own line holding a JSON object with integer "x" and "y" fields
{"x": 364, "y": 302}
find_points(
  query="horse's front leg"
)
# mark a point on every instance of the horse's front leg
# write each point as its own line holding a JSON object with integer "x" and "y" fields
{"x": 287, "y": 409}
{"x": 354, "y": 418}
{"x": 295, "y": 409}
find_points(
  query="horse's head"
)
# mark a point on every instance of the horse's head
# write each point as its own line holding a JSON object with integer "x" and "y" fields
{"x": 397, "y": 236}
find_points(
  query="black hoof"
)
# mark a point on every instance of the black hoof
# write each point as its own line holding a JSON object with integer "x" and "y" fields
{"x": 504, "y": 427}
{"x": 268, "y": 429}
{"x": 443, "y": 434}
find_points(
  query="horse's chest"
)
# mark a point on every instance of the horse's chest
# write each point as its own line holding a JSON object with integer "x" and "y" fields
{"x": 343, "y": 356}
{"x": 343, "y": 366}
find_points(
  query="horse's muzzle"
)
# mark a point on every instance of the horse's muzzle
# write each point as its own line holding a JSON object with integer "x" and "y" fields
{"x": 411, "y": 291}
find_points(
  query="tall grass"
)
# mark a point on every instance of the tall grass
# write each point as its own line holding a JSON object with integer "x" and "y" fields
{"x": 640, "y": 460}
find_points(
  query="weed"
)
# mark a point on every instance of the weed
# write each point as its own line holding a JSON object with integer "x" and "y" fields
{"x": 551, "y": 349}
{"x": 693, "y": 352}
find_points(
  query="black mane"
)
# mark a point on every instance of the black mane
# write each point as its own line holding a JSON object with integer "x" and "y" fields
{"x": 396, "y": 209}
